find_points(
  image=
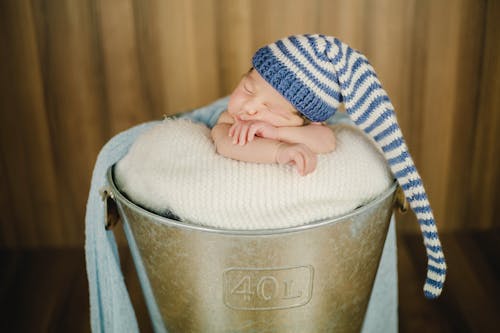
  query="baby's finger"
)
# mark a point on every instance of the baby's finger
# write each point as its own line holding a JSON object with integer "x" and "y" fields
{"x": 232, "y": 129}
{"x": 254, "y": 128}
{"x": 236, "y": 132}
{"x": 243, "y": 135}
{"x": 299, "y": 162}
{"x": 310, "y": 163}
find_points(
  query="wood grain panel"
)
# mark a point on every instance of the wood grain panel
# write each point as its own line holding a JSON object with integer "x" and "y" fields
{"x": 26, "y": 144}
{"x": 184, "y": 42}
{"x": 470, "y": 53}
{"x": 234, "y": 41}
{"x": 73, "y": 74}
{"x": 484, "y": 192}
{"x": 75, "y": 101}
{"x": 345, "y": 19}
{"x": 125, "y": 98}
{"x": 439, "y": 107}
{"x": 276, "y": 19}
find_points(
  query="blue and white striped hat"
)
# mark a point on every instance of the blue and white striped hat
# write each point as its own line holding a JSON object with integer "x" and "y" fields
{"x": 316, "y": 73}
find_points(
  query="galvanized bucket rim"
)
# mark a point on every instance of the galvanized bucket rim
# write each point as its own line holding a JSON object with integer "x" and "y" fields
{"x": 242, "y": 232}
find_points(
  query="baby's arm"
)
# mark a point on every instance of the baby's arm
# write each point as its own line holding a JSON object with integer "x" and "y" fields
{"x": 262, "y": 150}
{"x": 319, "y": 138}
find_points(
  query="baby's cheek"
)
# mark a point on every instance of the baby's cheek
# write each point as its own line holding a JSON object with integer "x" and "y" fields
{"x": 232, "y": 104}
{"x": 236, "y": 101}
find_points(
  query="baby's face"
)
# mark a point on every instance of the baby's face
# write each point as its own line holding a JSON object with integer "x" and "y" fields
{"x": 255, "y": 99}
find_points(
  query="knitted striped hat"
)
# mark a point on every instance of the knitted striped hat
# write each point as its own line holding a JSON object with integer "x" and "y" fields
{"x": 316, "y": 73}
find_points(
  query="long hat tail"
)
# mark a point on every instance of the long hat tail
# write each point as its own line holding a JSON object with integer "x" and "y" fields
{"x": 369, "y": 106}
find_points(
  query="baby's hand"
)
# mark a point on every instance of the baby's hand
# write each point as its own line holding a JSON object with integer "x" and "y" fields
{"x": 299, "y": 155}
{"x": 263, "y": 130}
{"x": 239, "y": 131}
{"x": 243, "y": 131}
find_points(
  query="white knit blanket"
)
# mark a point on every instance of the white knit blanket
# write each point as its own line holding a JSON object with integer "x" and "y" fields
{"x": 174, "y": 168}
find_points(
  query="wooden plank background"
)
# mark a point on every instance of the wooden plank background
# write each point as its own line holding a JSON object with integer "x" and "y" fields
{"x": 75, "y": 73}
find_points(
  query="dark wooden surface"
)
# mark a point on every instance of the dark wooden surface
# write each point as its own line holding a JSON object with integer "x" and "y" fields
{"x": 46, "y": 290}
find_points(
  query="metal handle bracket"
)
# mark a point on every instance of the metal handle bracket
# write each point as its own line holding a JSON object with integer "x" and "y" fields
{"x": 111, "y": 215}
{"x": 400, "y": 200}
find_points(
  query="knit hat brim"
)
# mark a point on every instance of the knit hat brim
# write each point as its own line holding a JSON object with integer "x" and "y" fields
{"x": 268, "y": 64}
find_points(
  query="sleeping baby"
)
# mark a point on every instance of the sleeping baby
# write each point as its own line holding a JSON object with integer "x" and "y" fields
{"x": 308, "y": 77}
{"x": 260, "y": 125}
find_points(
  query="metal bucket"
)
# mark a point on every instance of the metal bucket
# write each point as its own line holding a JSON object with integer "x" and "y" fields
{"x": 312, "y": 278}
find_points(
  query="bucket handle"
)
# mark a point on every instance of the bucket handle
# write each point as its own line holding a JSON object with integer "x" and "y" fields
{"x": 112, "y": 216}
{"x": 400, "y": 201}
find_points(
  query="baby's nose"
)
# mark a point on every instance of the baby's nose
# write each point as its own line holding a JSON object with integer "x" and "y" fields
{"x": 250, "y": 112}
{"x": 250, "y": 108}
